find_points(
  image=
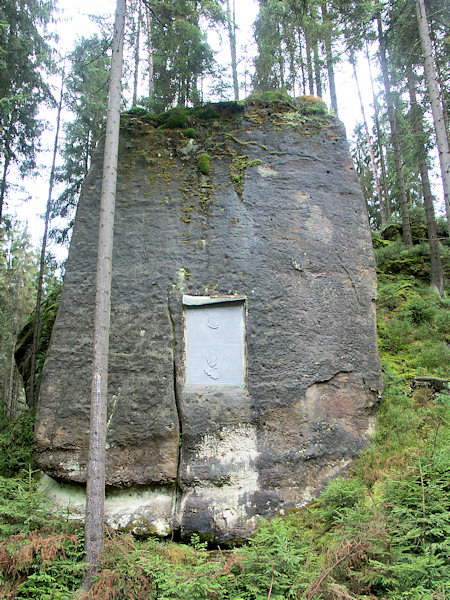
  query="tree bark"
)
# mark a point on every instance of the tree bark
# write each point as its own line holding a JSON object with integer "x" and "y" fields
{"x": 369, "y": 144}
{"x": 330, "y": 65}
{"x": 136, "y": 55}
{"x": 387, "y": 202}
{"x": 436, "y": 106}
{"x": 3, "y": 183}
{"x": 407, "y": 237}
{"x": 302, "y": 62}
{"x": 32, "y": 396}
{"x": 9, "y": 400}
{"x": 151, "y": 83}
{"x": 95, "y": 489}
{"x": 231, "y": 22}
{"x": 317, "y": 74}
{"x": 7, "y": 160}
{"x": 437, "y": 277}
{"x": 309, "y": 66}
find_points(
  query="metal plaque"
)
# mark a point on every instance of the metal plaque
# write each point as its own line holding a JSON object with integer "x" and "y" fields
{"x": 215, "y": 351}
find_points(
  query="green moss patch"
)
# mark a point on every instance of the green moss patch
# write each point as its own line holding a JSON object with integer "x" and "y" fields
{"x": 204, "y": 163}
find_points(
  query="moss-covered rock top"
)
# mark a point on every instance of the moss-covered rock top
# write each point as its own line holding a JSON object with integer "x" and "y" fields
{"x": 309, "y": 113}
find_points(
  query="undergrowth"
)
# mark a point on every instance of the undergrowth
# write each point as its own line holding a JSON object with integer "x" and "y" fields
{"x": 381, "y": 532}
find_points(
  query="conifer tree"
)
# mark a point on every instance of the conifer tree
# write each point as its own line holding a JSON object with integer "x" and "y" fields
{"x": 24, "y": 57}
{"x": 436, "y": 105}
{"x": 95, "y": 486}
{"x": 86, "y": 98}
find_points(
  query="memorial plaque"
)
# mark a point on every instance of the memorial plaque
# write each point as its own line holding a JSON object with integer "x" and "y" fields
{"x": 215, "y": 337}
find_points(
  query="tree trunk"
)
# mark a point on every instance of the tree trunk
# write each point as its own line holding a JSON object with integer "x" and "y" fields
{"x": 280, "y": 56}
{"x": 330, "y": 65}
{"x": 3, "y": 183}
{"x": 407, "y": 237}
{"x": 376, "y": 119}
{"x": 231, "y": 22}
{"x": 32, "y": 396}
{"x": 436, "y": 106}
{"x": 151, "y": 83}
{"x": 95, "y": 489}
{"x": 440, "y": 80}
{"x": 302, "y": 62}
{"x": 136, "y": 55}
{"x": 309, "y": 66}
{"x": 369, "y": 143}
{"x": 437, "y": 277}
{"x": 9, "y": 400}
{"x": 317, "y": 75}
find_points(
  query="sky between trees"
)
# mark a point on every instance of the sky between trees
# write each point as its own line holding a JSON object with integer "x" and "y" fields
{"x": 74, "y": 19}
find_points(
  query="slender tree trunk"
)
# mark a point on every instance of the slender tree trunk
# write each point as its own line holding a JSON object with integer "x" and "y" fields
{"x": 407, "y": 237}
{"x": 330, "y": 62}
{"x": 95, "y": 489}
{"x": 32, "y": 395}
{"x": 9, "y": 401}
{"x": 151, "y": 83}
{"x": 369, "y": 144}
{"x": 231, "y": 22}
{"x": 440, "y": 80}
{"x": 380, "y": 145}
{"x": 137, "y": 42}
{"x": 88, "y": 152}
{"x": 436, "y": 106}
{"x": 302, "y": 62}
{"x": 317, "y": 74}
{"x": 3, "y": 183}
{"x": 280, "y": 56}
{"x": 437, "y": 277}
{"x": 7, "y": 159}
{"x": 309, "y": 65}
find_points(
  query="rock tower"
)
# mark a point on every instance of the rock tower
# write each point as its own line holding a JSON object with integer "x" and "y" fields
{"x": 243, "y": 364}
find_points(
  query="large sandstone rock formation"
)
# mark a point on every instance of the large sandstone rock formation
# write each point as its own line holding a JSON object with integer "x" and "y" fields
{"x": 243, "y": 363}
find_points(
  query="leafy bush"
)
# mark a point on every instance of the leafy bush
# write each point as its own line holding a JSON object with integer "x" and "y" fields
{"x": 312, "y": 105}
{"x": 190, "y": 132}
{"x": 173, "y": 119}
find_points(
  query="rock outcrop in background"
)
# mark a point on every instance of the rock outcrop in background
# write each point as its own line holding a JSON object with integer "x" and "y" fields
{"x": 243, "y": 363}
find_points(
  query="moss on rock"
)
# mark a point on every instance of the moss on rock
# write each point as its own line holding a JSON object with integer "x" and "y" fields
{"x": 204, "y": 163}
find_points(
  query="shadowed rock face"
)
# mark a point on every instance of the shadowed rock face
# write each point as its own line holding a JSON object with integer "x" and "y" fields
{"x": 237, "y": 416}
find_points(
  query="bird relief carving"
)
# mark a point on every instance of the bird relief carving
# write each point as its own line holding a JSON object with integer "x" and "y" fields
{"x": 211, "y": 370}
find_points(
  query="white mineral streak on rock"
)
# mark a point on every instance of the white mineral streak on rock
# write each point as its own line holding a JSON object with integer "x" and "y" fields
{"x": 132, "y": 509}
{"x": 71, "y": 465}
{"x": 301, "y": 197}
{"x": 319, "y": 225}
{"x": 235, "y": 449}
{"x": 266, "y": 171}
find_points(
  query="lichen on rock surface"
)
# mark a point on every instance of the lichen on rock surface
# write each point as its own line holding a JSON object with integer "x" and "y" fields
{"x": 268, "y": 253}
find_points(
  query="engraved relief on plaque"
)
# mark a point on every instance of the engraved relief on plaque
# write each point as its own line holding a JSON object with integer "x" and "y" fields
{"x": 215, "y": 343}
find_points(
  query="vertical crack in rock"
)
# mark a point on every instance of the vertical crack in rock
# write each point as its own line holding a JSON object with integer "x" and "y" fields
{"x": 177, "y": 493}
{"x": 351, "y": 278}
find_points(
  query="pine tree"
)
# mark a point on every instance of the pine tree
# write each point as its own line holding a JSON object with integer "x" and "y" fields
{"x": 86, "y": 97}
{"x": 95, "y": 487}
{"x": 24, "y": 57}
{"x": 433, "y": 91}
{"x": 18, "y": 269}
